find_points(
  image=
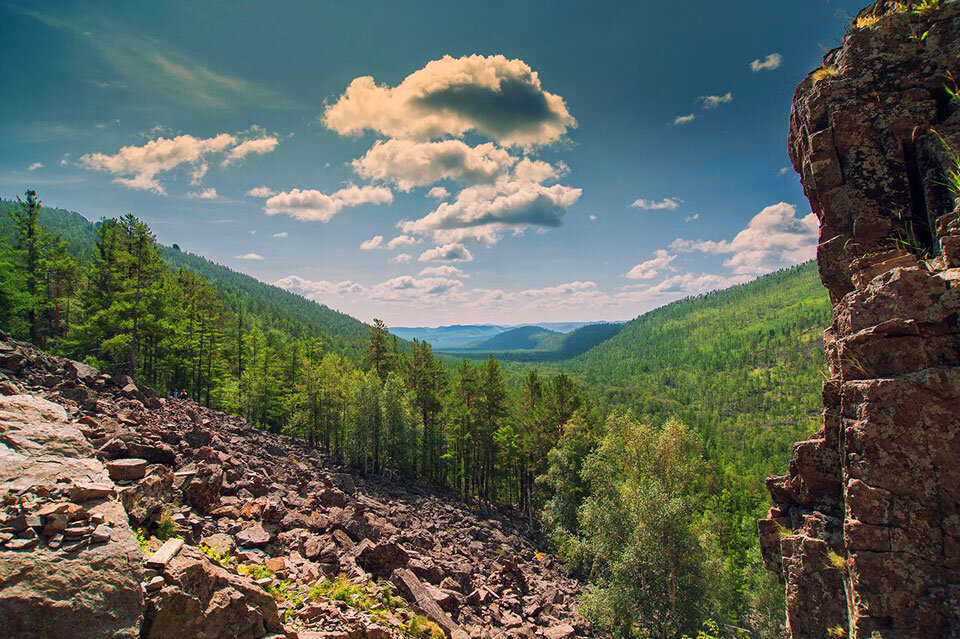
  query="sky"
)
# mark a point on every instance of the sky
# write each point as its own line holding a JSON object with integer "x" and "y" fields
{"x": 429, "y": 163}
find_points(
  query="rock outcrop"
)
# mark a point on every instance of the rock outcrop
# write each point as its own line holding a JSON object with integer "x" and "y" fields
{"x": 865, "y": 533}
{"x": 69, "y": 563}
{"x": 245, "y": 533}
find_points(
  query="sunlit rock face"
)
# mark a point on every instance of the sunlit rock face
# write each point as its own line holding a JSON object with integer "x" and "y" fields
{"x": 865, "y": 533}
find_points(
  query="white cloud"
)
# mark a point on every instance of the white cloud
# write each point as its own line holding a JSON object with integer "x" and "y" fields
{"x": 280, "y": 235}
{"x": 592, "y": 218}
{"x": 438, "y": 193}
{"x": 652, "y": 267}
{"x": 409, "y": 289}
{"x": 499, "y": 98}
{"x": 197, "y": 173}
{"x": 261, "y": 191}
{"x": 713, "y": 101}
{"x": 257, "y": 146}
{"x": 769, "y": 63}
{"x": 692, "y": 218}
{"x": 695, "y": 283}
{"x": 408, "y": 163}
{"x": 317, "y": 290}
{"x": 310, "y": 205}
{"x": 784, "y": 170}
{"x": 35, "y": 166}
{"x": 64, "y": 159}
{"x": 452, "y": 252}
{"x": 443, "y": 271}
{"x": 137, "y": 167}
{"x": 249, "y": 256}
{"x": 205, "y": 194}
{"x": 484, "y": 211}
{"x": 666, "y": 204}
{"x": 774, "y": 238}
{"x": 401, "y": 258}
{"x": 402, "y": 240}
{"x": 680, "y": 120}
{"x": 372, "y": 243}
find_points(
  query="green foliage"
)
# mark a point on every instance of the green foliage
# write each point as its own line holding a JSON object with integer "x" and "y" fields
{"x": 141, "y": 539}
{"x": 223, "y": 558}
{"x": 255, "y": 571}
{"x": 166, "y": 528}
{"x": 953, "y": 172}
{"x": 419, "y": 627}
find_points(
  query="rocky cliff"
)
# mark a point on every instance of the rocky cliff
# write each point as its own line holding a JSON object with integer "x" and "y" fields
{"x": 242, "y": 534}
{"x": 865, "y": 533}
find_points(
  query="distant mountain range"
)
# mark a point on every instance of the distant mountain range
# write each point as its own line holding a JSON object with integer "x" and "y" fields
{"x": 468, "y": 336}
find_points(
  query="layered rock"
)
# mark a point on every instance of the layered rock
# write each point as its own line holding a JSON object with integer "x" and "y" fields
{"x": 866, "y": 528}
{"x": 69, "y": 563}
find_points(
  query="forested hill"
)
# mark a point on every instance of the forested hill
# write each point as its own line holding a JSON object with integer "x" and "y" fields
{"x": 273, "y": 307}
{"x": 741, "y": 366}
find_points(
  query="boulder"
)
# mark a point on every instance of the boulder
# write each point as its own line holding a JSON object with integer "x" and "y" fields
{"x": 381, "y": 559}
{"x": 422, "y": 602}
{"x": 203, "y": 600}
{"x": 253, "y": 537}
{"x": 127, "y": 469}
{"x": 202, "y": 489}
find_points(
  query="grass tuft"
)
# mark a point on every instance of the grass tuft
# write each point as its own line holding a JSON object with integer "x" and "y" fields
{"x": 824, "y": 72}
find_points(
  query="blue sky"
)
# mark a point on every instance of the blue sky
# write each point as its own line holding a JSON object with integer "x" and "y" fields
{"x": 541, "y": 161}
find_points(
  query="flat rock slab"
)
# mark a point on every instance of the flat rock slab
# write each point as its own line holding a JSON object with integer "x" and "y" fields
{"x": 127, "y": 469}
{"x": 162, "y": 557}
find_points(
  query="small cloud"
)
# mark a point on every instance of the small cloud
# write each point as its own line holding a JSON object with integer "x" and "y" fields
{"x": 784, "y": 170}
{"x": 261, "y": 191}
{"x": 205, "y": 194}
{"x": 769, "y": 63}
{"x": 402, "y": 240}
{"x": 65, "y": 159}
{"x": 249, "y": 256}
{"x": 592, "y": 218}
{"x": 280, "y": 236}
{"x": 443, "y": 271}
{"x": 680, "y": 120}
{"x": 692, "y": 218}
{"x": 402, "y": 258}
{"x": 35, "y": 166}
{"x": 454, "y": 252}
{"x": 373, "y": 243}
{"x": 259, "y": 146}
{"x": 666, "y": 204}
{"x": 652, "y": 267}
{"x": 439, "y": 193}
{"x": 713, "y": 101}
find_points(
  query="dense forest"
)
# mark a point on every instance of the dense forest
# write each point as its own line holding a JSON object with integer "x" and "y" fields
{"x": 641, "y": 459}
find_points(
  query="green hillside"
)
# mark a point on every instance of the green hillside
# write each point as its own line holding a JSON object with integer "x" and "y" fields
{"x": 537, "y": 344}
{"x": 741, "y": 366}
{"x": 522, "y": 337}
{"x": 274, "y": 308}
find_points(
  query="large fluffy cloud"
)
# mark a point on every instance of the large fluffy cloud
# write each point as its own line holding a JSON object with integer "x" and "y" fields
{"x": 774, "y": 238}
{"x": 137, "y": 167}
{"x": 499, "y": 98}
{"x": 408, "y": 163}
{"x": 309, "y": 205}
{"x": 484, "y": 211}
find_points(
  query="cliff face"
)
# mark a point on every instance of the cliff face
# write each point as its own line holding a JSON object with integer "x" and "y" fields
{"x": 866, "y": 528}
